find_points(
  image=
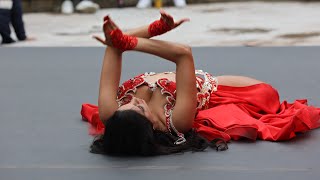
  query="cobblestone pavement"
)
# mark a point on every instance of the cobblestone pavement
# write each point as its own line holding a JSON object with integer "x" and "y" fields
{"x": 215, "y": 24}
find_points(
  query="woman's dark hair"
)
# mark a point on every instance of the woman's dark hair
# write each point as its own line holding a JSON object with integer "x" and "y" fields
{"x": 129, "y": 133}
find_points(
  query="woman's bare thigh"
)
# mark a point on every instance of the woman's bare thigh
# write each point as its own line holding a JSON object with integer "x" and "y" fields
{"x": 237, "y": 81}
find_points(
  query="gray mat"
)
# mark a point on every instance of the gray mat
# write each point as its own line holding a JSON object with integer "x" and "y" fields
{"x": 42, "y": 135}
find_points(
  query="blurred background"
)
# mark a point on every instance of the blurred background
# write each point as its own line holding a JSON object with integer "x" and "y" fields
{"x": 213, "y": 22}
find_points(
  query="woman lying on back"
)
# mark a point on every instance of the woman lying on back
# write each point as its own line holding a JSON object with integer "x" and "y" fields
{"x": 163, "y": 113}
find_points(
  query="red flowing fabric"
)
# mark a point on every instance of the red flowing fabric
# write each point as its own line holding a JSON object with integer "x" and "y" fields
{"x": 251, "y": 112}
{"x": 254, "y": 112}
{"x": 90, "y": 113}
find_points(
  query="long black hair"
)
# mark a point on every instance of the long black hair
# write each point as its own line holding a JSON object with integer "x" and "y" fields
{"x": 128, "y": 133}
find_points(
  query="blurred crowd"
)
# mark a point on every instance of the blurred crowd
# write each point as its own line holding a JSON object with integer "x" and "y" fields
{"x": 148, "y": 3}
{"x": 88, "y": 6}
{"x": 82, "y": 6}
{"x": 11, "y": 14}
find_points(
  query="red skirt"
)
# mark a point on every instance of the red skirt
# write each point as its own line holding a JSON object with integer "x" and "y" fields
{"x": 251, "y": 112}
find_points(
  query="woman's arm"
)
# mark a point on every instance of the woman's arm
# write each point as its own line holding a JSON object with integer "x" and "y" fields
{"x": 109, "y": 78}
{"x": 181, "y": 55}
{"x": 109, "y": 83}
{"x": 139, "y": 32}
{"x": 166, "y": 24}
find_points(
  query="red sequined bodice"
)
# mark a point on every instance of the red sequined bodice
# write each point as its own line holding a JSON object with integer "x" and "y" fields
{"x": 205, "y": 85}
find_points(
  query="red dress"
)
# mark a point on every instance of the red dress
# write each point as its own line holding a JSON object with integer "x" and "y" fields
{"x": 250, "y": 112}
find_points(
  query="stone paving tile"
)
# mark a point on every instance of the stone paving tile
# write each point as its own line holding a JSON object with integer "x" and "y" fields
{"x": 213, "y": 24}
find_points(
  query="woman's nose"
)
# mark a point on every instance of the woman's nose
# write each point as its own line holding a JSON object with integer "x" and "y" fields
{"x": 134, "y": 100}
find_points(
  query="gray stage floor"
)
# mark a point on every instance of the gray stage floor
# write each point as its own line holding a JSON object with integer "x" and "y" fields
{"x": 42, "y": 135}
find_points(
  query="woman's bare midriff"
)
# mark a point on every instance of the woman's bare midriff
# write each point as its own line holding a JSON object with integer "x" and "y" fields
{"x": 237, "y": 81}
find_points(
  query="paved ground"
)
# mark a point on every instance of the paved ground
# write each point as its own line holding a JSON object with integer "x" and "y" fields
{"x": 42, "y": 136}
{"x": 216, "y": 24}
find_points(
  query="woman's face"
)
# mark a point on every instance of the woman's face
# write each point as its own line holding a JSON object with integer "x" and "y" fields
{"x": 140, "y": 106}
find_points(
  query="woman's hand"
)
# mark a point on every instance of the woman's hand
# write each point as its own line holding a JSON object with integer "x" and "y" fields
{"x": 168, "y": 19}
{"x": 108, "y": 26}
